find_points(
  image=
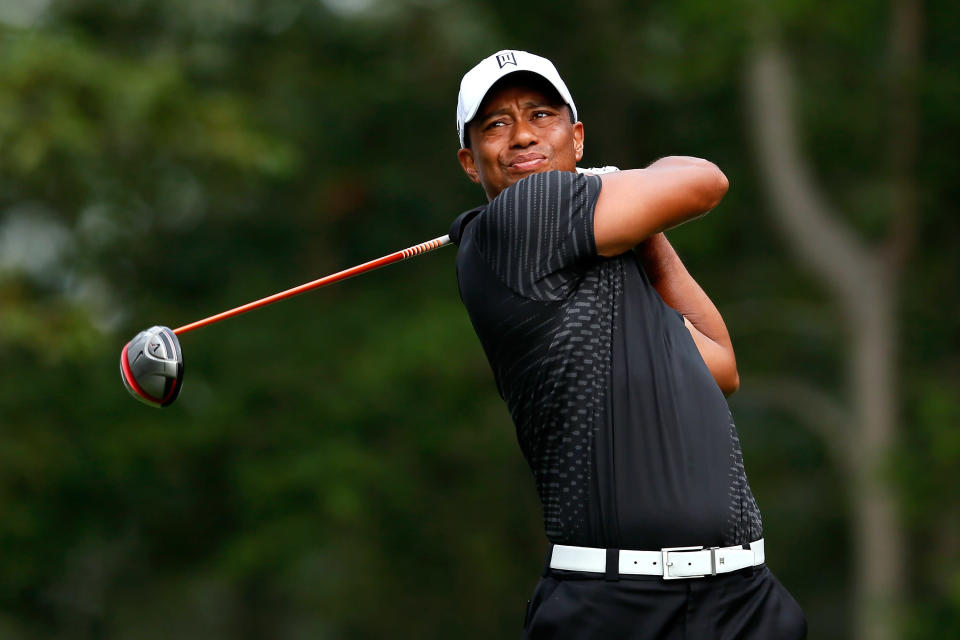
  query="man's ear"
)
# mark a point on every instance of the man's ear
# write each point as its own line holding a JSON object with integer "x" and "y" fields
{"x": 578, "y": 141}
{"x": 465, "y": 156}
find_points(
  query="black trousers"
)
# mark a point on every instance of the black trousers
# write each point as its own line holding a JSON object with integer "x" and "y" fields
{"x": 750, "y": 604}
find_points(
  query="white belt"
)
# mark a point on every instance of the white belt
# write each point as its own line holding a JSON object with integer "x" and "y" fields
{"x": 670, "y": 563}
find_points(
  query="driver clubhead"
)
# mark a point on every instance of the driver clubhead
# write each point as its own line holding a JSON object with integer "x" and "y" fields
{"x": 151, "y": 366}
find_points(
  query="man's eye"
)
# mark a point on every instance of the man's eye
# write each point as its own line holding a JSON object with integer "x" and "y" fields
{"x": 494, "y": 124}
{"x": 542, "y": 114}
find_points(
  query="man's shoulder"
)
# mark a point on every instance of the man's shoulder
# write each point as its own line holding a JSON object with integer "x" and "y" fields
{"x": 551, "y": 207}
{"x": 550, "y": 190}
{"x": 544, "y": 180}
{"x": 505, "y": 200}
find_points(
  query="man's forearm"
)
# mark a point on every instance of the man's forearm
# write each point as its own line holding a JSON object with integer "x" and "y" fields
{"x": 635, "y": 204}
{"x": 679, "y": 290}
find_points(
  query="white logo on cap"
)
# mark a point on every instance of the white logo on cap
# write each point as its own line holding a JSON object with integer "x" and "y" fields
{"x": 504, "y": 59}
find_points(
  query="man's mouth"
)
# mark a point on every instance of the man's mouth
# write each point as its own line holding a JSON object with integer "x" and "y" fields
{"x": 527, "y": 162}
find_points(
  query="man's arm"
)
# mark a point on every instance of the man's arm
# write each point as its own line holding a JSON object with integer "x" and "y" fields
{"x": 634, "y": 205}
{"x": 679, "y": 290}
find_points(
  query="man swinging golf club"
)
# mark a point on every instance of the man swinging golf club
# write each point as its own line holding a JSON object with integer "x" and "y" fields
{"x": 614, "y": 365}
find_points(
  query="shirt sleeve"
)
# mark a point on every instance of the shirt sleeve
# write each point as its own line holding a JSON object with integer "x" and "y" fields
{"x": 537, "y": 234}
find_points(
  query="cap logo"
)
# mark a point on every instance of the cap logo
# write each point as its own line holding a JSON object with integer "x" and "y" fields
{"x": 503, "y": 59}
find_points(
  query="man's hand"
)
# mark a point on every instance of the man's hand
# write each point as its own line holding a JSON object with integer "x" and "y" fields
{"x": 636, "y": 204}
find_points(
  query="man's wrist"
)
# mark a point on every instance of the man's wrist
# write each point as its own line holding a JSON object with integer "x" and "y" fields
{"x": 598, "y": 171}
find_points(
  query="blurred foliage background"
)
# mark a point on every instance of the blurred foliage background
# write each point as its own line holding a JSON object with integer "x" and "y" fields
{"x": 340, "y": 466}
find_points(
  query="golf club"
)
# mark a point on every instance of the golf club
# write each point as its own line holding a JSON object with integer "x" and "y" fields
{"x": 151, "y": 364}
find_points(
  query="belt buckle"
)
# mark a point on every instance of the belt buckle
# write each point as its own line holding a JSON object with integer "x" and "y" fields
{"x": 665, "y": 560}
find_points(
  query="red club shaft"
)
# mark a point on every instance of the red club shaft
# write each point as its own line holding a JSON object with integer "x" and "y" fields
{"x": 409, "y": 252}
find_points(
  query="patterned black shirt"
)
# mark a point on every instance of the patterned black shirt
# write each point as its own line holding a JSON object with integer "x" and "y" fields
{"x": 629, "y": 439}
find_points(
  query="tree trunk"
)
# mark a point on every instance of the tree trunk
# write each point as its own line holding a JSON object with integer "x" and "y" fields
{"x": 864, "y": 284}
{"x": 878, "y": 548}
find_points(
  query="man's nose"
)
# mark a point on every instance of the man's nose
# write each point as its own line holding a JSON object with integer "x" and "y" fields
{"x": 524, "y": 134}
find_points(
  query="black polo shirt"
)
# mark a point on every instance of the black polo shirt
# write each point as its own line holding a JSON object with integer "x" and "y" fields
{"x": 629, "y": 439}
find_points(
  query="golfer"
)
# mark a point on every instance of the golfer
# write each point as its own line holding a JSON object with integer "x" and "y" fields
{"x": 614, "y": 365}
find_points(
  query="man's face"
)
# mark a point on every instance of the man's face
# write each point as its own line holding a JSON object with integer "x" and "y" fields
{"x": 519, "y": 131}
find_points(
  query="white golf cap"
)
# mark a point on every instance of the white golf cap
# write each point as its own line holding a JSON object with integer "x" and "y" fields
{"x": 477, "y": 82}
